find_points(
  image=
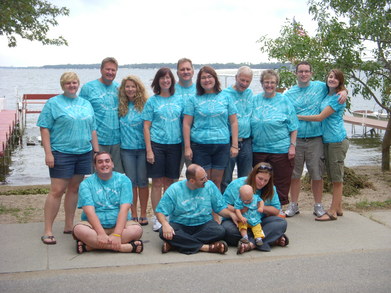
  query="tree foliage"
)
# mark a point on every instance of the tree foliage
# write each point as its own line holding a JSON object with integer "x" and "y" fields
{"x": 352, "y": 35}
{"x": 31, "y": 20}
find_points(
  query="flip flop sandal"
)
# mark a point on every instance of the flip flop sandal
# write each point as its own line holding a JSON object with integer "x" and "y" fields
{"x": 67, "y": 232}
{"x": 51, "y": 239}
{"x": 143, "y": 221}
{"x": 216, "y": 247}
{"x": 166, "y": 247}
{"x": 135, "y": 246}
{"x": 330, "y": 218}
{"x": 80, "y": 247}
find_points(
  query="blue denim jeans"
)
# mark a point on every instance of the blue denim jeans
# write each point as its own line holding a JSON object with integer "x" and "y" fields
{"x": 243, "y": 163}
{"x": 135, "y": 166}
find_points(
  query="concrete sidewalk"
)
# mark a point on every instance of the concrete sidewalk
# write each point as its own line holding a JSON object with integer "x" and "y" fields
{"x": 22, "y": 249}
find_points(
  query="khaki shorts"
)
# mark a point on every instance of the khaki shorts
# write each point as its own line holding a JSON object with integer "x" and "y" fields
{"x": 335, "y": 154}
{"x": 310, "y": 151}
{"x": 107, "y": 230}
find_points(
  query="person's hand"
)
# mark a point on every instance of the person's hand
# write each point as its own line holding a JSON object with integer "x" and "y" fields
{"x": 291, "y": 152}
{"x": 103, "y": 240}
{"x": 260, "y": 209}
{"x": 115, "y": 242}
{"x": 243, "y": 220}
{"x": 234, "y": 152}
{"x": 343, "y": 96}
{"x": 49, "y": 160}
{"x": 234, "y": 218}
{"x": 168, "y": 231}
{"x": 188, "y": 154}
{"x": 150, "y": 157}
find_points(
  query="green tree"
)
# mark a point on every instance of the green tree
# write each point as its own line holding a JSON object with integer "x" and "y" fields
{"x": 30, "y": 19}
{"x": 353, "y": 35}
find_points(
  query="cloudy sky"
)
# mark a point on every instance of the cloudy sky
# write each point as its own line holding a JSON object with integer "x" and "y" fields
{"x": 147, "y": 31}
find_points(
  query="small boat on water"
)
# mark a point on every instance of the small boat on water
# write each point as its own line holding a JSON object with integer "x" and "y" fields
{"x": 371, "y": 114}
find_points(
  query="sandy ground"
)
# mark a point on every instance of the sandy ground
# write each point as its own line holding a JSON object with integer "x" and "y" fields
{"x": 29, "y": 208}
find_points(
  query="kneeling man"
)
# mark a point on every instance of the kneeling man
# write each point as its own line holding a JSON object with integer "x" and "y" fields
{"x": 105, "y": 198}
{"x": 189, "y": 205}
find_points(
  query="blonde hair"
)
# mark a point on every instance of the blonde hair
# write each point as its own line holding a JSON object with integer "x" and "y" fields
{"x": 139, "y": 100}
{"x": 67, "y": 77}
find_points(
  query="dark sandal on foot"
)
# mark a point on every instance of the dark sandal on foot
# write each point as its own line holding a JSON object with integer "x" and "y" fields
{"x": 67, "y": 232}
{"x": 80, "y": 247}
{"x": 166, "y": 247}
{"x": 51, "y": 239}
{"x": 143, "y": 221}
{"x": 279, "y": 241}
{"x": 218, "y": 247}
{"x": 329, "y": 217}
{"x": 243, "y": 247}
{"x": 135, "y": 246}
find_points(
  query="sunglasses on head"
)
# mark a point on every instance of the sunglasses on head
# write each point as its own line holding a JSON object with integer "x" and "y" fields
{"x": 264, "y": 167}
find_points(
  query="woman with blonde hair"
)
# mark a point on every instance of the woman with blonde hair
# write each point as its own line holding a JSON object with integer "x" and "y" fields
{"x": 132, "y": 98}
{"x": 68, "y": 130}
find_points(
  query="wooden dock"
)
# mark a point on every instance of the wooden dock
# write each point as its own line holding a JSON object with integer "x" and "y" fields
{"x": 366, "y": 122}
{"x": 8, "y": 124}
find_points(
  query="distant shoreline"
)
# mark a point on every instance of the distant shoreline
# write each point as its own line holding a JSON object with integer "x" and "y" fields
{"x": 268, "y": 65}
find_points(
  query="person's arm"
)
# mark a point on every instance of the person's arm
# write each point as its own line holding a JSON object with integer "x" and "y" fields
{"x": 93, "y": 219}
{"x": 320, "y": 117}
{"x": 45, "y": 135}
{"x": 239, "y": 215}
{"x": 167, "y": 230}
{"x": 147, "y": 138}
{"x": 115, "y": 237}
{"x": 261, "y": 205}
{"x": 233, "y": 120}
{"x": 343, "y": 96}
{"x": 94, "y": 141}
{"x": 226, "y": 213}
{"x": 292, "y": 146}
{"x": 270, "y": 211}
{"x": 187, "y": 122}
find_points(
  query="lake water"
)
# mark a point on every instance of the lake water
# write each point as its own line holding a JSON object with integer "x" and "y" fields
{"x": 27, "y": 166}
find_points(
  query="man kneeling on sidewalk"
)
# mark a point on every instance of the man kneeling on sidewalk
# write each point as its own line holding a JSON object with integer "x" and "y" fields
{"x": 189, "y": 205}
{"x": 105, "y": 198}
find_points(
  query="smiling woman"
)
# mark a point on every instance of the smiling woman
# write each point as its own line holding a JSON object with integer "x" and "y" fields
{"x": 68, "y": 131}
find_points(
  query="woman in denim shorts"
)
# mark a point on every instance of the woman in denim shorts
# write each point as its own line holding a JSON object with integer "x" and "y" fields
{"x": 209, "y": 117}
{"x": 132, "y": 98}
{"x": 68, "y": 130}
{"x": 335, "y": 141}
{"x": 162, "y": 116}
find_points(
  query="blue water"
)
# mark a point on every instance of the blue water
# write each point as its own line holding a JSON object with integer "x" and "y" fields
{"x": 27, "y": 166}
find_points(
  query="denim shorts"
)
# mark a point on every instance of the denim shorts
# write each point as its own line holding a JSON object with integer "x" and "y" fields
{"x": 167, "y": 160}
{"x": 68, "y": 165}
{"x": 211, "y": 156}
{"x": 135, "y": 166}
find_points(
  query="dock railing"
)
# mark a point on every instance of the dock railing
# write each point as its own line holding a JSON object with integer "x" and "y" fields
{"x": 32, "y": 99}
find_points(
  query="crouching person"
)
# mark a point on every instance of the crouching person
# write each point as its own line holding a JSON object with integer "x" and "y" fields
{"x": 189, "y": 205}
{"x": 105, "y": 198}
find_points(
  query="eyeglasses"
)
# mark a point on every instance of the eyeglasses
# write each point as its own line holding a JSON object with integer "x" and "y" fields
{"x": 264, "y": 167}
{"x": 206, "y": 77}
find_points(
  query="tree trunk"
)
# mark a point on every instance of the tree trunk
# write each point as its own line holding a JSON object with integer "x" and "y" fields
{"x": 385, "y": 159}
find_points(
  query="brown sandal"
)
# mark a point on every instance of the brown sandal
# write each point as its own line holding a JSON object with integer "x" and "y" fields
{"x": 243, "y": 247}
{"x": 166, "y": 247}
{"x": 282, "y": 241}
{"x": 218, "y": 247}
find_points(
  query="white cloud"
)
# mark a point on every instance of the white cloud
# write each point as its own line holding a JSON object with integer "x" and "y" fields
{"x": 159, "y": 31}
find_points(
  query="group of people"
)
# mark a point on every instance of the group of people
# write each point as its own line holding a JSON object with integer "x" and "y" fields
{"x": 126, "y": 137}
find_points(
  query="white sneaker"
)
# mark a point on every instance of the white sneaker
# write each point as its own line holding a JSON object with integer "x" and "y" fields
{"x": 293, "y": 209}
{"x": 319, "y": 210}
{"x": 155, "y": 224}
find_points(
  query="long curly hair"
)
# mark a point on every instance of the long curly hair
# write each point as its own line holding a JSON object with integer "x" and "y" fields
{"x": 139, "y": 100}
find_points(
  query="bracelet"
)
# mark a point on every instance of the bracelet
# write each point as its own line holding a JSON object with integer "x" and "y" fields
{"x": 293, "y": 143}
{"x": 234, "y": 147}
{"x": 116, "y": 235}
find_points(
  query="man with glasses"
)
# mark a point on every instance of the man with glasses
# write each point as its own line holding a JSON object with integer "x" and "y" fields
{"x": 306, "y": 97}
{"x": 189, "y": 204}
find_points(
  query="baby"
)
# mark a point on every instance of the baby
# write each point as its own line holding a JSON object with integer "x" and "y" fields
{"x": 248, "y": 208}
